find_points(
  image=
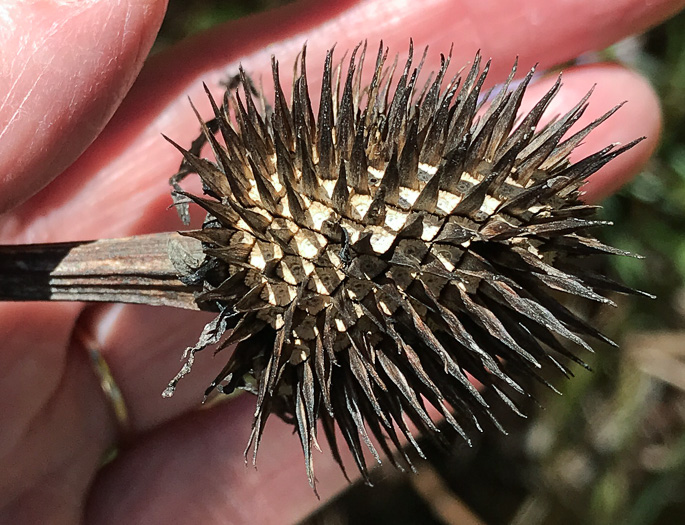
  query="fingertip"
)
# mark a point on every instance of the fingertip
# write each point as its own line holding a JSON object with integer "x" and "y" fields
{"x": 70, "y": 65}
{"x": 200, "y": 458}
{"x": 640, "y": 116}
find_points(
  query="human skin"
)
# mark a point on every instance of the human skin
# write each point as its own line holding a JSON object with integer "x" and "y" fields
{"x": 65, "y": 67}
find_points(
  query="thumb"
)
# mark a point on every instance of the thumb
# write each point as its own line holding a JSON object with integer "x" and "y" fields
{"x": 65, "y": 66}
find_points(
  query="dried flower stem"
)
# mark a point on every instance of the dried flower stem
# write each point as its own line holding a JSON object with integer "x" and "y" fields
{"x": 142, "y": 269}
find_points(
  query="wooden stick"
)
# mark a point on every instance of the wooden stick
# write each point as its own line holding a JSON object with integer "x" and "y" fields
{"x": 144, "y": 269}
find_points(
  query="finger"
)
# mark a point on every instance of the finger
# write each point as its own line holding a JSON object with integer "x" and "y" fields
{"x": 548, "y": 32}
{"x": 144, "y": 357}
{"x": 66, "y": 66}
{"x": 641, "y": 116}
{"x": 32, "y": 362}
{"x": 200, "y": 459}
{"x": 47, "y": 470}
{"x": 130, "y": 148}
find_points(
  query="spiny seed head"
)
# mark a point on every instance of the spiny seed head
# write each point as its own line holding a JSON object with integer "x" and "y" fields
{"x": 370, "y": 256}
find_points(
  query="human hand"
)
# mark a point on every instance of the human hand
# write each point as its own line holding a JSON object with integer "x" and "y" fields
{"x": 65, "y": 68}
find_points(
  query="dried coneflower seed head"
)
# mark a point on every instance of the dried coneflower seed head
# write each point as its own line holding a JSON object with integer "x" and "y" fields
{"x": 373, "y": 255}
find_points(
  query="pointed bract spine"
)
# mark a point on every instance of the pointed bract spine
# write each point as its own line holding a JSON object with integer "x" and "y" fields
{"x": 370, "y": 258}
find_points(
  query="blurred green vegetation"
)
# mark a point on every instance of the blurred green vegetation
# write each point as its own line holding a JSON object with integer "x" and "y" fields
{"x": 650, "y": 212}
{"x": 185, "y": 18}
{"x": 611, "y": 450}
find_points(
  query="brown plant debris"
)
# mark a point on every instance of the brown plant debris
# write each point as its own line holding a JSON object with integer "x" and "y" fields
{"x": 368, "y": 260}
{"x": 372, "y": 258}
